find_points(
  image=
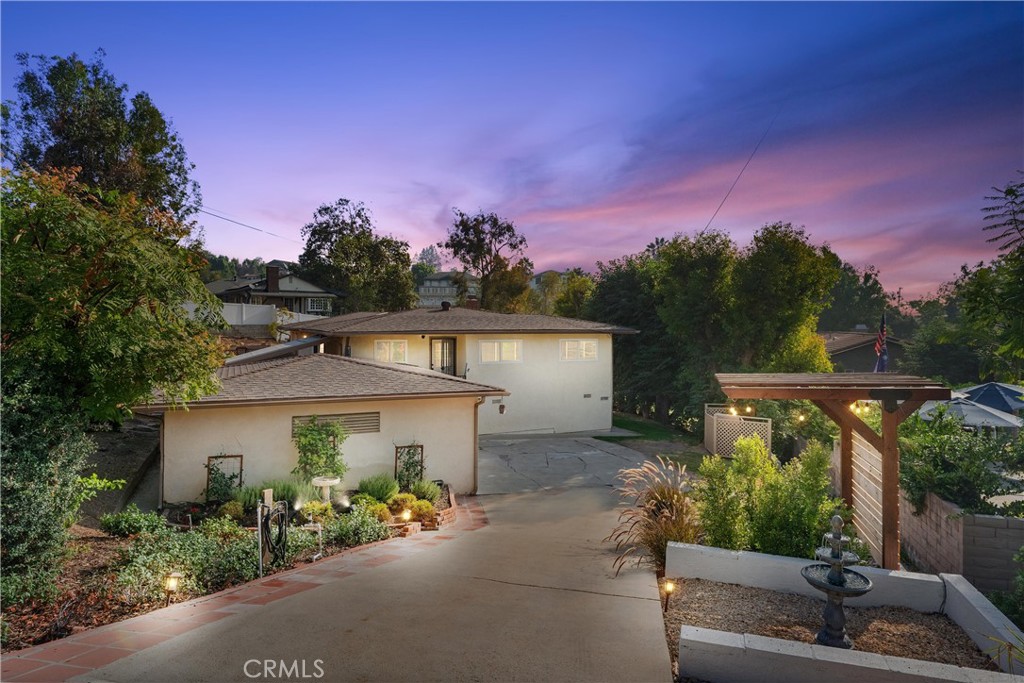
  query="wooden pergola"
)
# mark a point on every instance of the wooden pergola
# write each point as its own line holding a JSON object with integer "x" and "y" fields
{"x": 899, "y": 396}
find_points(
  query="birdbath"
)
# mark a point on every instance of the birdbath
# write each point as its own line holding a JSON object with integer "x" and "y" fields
{"x": 837, "y": 582}
{"x": 325, "y": 484}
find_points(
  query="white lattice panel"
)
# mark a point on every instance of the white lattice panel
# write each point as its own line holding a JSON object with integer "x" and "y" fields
{"x": 710, "y": 410}
{"x": 729, "y": 428}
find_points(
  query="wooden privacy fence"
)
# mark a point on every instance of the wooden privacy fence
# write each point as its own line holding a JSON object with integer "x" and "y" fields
{"x": 722, "y": 429}
{"x": 865, "y": 490}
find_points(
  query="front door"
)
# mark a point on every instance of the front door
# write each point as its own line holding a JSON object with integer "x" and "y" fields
{"x": 442, "y": 355}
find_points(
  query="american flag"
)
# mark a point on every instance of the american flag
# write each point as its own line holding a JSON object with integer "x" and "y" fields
{"x": 880, "y": 349}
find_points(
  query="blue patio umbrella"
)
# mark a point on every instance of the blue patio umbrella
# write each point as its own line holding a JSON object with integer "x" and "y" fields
{"x": 972, "y": 414}
{"x": 998, "y": 395}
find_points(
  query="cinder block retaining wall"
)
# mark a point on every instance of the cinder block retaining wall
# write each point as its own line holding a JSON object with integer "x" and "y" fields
{"x": 980, "y": 547}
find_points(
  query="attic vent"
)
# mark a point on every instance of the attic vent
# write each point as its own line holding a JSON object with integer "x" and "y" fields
{"x": 446, "y": 305}
{"x": 354, "y": 423}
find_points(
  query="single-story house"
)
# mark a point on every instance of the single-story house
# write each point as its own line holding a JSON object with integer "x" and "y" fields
{"x": 557, "y": 371}
{"x": 382, "y": 405}
{"x": 855, "y": 351}
{"x": 280, "y": 288}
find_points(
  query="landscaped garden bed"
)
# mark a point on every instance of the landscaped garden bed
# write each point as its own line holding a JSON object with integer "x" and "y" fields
{"x": 893, "y": 631}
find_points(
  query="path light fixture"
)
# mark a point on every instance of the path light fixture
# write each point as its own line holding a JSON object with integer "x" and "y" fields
{"x": 406, "y": 515}
{"x": 172, "y": 581}
{"x": 669, "y": 587}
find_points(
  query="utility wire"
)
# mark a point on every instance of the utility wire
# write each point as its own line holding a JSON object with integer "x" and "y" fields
{"x": 245, "y": 225}
{"x": 756, "y": 147}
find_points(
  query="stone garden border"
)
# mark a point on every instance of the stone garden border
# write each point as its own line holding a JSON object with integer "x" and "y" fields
{"x": 704, "y": 652}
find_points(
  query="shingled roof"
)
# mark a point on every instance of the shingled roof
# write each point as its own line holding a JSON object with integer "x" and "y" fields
{"x": 837, "y": 342}
{"x": 321, "y": 378}
{"x": 452, "y": 321}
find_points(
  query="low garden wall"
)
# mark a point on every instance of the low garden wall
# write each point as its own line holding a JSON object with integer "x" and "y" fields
{"x": 944, "y": 539}
{"x": 704, "y": 652}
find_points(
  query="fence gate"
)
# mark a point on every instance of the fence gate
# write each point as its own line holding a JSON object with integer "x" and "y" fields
{"x": 722, "y": 428}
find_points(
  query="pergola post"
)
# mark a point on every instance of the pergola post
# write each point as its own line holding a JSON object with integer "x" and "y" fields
{"x": 899, "y": 395}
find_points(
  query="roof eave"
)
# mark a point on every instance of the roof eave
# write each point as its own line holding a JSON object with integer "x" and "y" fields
{"x": 235, "y": 403}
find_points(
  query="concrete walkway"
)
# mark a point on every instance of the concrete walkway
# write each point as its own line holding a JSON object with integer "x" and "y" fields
{"x": 521, "y": 589}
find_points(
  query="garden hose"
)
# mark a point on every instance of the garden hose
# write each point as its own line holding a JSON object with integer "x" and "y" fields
{"x": 275, "y": 531}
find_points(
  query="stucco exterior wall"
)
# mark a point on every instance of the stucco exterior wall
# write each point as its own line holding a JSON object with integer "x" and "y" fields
{"x": 546, "y": 395}
{"x": 263, "y": 435}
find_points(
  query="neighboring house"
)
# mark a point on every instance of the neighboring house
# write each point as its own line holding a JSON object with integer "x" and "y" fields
{"x": 558, "y": 371}
{"x": 537, "y": 279}
{"x": 381, "y": 405}
{"x": 438, "y": 287}
{"x": 855, "y": 351}
{"x": 280, "y": 288}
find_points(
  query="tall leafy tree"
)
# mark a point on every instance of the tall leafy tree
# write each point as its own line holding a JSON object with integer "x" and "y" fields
{"x": 1007, "y": 216}
{"x": 577, "y": 288}
{"x": 428, "y": 262}
{"x": 93, "y": 289}
{"x": 857, "y": 297}
{"x": 73, "y": 113}
{"x": 646, "y": 364}
{"x": 344, "y": 253}
{"x": 489, "y": 247}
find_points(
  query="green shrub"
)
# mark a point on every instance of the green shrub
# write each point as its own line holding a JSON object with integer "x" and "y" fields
{"x": 961, "y": 467}
{"x": 363, "y": 499}
{"x": 232, "y": 509}
{"x": 220, "y": 486}
{"x": 754, "y": 504}
{"x": 383, "y": 487}
{"x": 359, "y": 527}
{"x": 792, "y": 511}
{"x": 292, "y": 490}
{"x": 721, "y": 506}
{"x": 422, "y": 511}
{"x": 319, "y": 446}
{"x": 424, "y": 489}
{"x": 380, "y": 511}
{"x": 217, "y": 554}
{"x": 248, "y": 496}
{"x": 401, "y": 502}
{"x": 86, "y": 488}
{"x": 299, "y": 541}
{"x": 658, "y": 510}
{"x": 318, "y": 511}
{"x": 131, "y": 521}
{"x": 1011, "y": 603}
{"x": 409, "y": 466}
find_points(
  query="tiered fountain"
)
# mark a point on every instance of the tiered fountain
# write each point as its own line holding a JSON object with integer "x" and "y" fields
{"x": 837, "y": 582}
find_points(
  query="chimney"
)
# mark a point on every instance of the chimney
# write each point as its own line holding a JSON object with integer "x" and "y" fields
{"x": 446, "y": 305}
{"x": 472, "y": 303}
{"x": 273, "y": 279}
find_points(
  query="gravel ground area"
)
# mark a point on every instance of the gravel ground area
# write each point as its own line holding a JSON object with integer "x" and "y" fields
{"x": 895, "y": 631}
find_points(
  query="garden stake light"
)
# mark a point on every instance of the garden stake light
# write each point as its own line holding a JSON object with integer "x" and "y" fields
{"x": 669, "y": 587}
{"x": 406, "y": 515}
{"x": 171, "y": 583}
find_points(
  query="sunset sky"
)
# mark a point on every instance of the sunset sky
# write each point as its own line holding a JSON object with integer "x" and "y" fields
{"x": 594, "y": 127}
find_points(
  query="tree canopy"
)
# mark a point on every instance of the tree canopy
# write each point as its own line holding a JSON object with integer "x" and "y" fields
{"x": 489, "y": 247}
{"x": 72, "y": 113}
{"x": 95, "y": 283}
{"x": 343, "y": 253}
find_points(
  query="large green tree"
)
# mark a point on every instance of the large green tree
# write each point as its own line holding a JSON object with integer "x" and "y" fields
{"x": 857, "y": 297}
{"x": 344, "y": 253}
{"x": 1007, "y": 216}
{"x": 489, "y": 247}
{"x": 73, "y": 113}
{"x": 576, "y": 290}
{"x": 94, "y": 290}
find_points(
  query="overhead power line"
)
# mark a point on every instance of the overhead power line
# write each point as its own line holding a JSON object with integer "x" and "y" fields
{"x": 246, "y": 225}
{"x": 751, "y": 158}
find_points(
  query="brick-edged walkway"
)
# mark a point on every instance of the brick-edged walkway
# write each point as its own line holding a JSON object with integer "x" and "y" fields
{"x": 84, "y": 652}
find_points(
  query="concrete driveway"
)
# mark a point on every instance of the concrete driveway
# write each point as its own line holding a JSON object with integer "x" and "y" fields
{"x": 521, "y": 590}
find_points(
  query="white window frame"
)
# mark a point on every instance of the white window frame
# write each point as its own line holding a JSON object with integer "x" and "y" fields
{"x": 578, "y": 351}
{"x": 318, "y": 305}
{"x": 389, "y": 346}
{"x": 500, "y": 348}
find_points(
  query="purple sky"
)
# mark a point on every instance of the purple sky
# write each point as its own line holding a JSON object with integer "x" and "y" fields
{"x": 594, "y": 127}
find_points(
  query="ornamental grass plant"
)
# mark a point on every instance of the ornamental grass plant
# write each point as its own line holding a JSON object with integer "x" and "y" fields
{"x": 658, "y": 509}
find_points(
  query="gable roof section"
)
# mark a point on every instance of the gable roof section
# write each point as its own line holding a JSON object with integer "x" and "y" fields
{"x": 322, "y": 378}
{"x": 838, "y": 342}
{"x": 453, "y": 321}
